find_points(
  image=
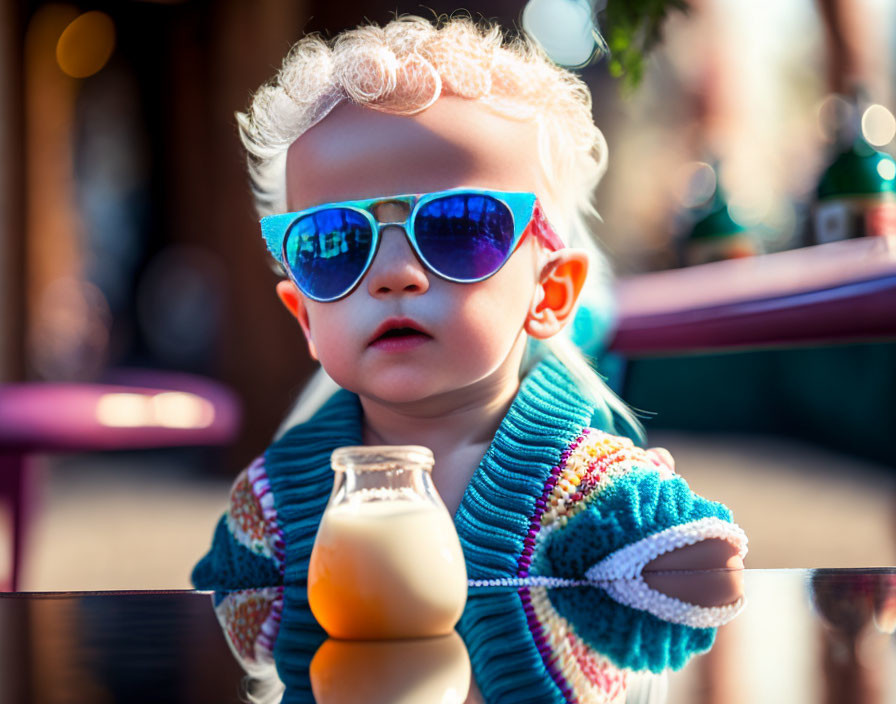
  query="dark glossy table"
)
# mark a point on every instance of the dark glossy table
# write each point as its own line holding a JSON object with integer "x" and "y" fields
{"x": 803, "y": 636}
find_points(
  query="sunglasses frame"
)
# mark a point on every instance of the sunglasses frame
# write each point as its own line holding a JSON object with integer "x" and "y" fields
{"x": 523, "y": 207}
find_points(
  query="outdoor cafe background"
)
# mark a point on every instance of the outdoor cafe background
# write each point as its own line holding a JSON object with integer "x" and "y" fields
{"x": 129, "y": 240}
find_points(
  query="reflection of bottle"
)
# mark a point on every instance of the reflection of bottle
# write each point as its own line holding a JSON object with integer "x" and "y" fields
{"x": 387, "y": 561}
{"x": 423, "y": 671}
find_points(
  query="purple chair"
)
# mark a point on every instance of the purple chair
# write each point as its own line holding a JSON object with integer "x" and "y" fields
{"x": 142, "y": 410}
{"x": 838, "y": 292}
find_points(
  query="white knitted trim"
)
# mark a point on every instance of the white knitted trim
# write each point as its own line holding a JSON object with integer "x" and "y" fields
{"x": 620, "y": 573}
{"x": 628, "y": 561}
{"x": 636, "y": 593}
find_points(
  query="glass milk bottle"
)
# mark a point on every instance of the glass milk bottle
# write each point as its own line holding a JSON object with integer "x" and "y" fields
{"x": 386, "y": 562}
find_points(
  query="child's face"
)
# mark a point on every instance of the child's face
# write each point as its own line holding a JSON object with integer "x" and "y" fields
{"x": 476, "y": 334}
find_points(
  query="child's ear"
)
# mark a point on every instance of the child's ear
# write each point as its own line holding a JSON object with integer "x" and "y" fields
{"x": 291, "y": 298}
{"x": 557, "y": 290}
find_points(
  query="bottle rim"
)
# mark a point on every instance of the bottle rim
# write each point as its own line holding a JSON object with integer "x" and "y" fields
{"x": 377, "y": 458}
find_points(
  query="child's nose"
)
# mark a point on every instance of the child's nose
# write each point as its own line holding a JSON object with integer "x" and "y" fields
{"x": 395, "y": 268}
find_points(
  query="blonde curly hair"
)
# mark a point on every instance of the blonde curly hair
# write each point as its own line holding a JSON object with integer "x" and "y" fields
{"x": 403, "y": 68}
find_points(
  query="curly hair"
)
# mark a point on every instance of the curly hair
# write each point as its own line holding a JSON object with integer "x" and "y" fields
{"x": 403, "y": 68}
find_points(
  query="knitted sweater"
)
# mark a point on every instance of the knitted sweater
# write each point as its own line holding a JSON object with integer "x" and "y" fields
{"x": 563, "y": 515}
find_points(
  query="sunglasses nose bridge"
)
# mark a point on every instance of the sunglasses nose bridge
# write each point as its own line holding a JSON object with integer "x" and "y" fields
{"x": 392, "y": 212}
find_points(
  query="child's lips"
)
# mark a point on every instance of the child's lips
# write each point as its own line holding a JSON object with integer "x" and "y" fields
{"x": 399, "y": 334}
{"x": 400, "y": 343}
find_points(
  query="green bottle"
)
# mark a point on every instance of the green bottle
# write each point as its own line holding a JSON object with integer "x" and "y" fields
{"x": 716, "y": 235}
{"x": 856, "y": 196}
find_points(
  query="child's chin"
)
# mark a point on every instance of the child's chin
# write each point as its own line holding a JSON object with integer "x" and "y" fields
{"x": 402, "y": 388}
{"x": 398, "y": 394}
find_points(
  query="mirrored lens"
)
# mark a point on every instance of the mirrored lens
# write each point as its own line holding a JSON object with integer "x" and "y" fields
{"x": 464, "y": 236}
{"x": 327, "y": 250}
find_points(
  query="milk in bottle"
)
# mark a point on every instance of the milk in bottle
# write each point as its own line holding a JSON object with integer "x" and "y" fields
{"x": 386, "y": 562}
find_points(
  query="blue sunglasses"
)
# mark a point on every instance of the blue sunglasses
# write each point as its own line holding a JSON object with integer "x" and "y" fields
{"x": 462, "y": 235}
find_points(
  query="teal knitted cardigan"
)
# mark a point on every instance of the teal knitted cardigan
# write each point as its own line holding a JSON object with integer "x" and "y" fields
{"x": 557, "y": 515}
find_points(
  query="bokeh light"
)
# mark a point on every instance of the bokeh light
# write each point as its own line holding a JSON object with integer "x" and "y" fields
{"x": 694, "y": 184}
{"x": 86, "y": 44}
{"x": 179, "y": 409}
{"x": 180, "y": 305}
{"x": 878, "y": 126}
{"x": 564, "y": 28}
{"x": 122, "y": 410}
{"x": 886, "y": 169}
{"x": 70, "y": 330}
{"x": 835, "y": 113}
{"x": 751, "y": 208}
{"x": 168, "y": 409}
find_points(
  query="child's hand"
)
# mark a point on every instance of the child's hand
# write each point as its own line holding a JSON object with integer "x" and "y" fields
{"x": 708, "y": 573}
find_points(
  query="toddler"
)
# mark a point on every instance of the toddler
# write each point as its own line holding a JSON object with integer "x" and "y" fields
{"x": 427, "y": 191}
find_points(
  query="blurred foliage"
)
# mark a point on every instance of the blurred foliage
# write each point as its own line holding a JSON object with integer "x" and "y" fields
{"x": 632, "y": 28}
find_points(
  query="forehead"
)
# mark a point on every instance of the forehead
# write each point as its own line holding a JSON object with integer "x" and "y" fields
{"x": 357, "y": 152}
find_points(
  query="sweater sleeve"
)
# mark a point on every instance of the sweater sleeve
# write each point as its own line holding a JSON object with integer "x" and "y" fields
{"x": 614, "y": 508}
{"x": 247, "y": 549}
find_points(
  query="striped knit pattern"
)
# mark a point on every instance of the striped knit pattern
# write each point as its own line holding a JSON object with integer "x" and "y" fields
{"x": 251, "y": 516}
{"x": 581, "y": 672}
{"x": 590, "y": 465}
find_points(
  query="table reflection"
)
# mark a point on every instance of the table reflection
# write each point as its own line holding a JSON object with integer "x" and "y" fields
{"x": 541, "y": 640}
{"x": 857, "y": 615}
{"x": 802, "y": 636}
{"x": 850, "y": 614}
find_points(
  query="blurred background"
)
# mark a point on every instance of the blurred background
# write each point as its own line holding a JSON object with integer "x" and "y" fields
{"x": 129, "y": 243}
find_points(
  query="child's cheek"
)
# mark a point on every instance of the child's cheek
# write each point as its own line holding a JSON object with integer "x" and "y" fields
{"x": 328, "y": 334}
